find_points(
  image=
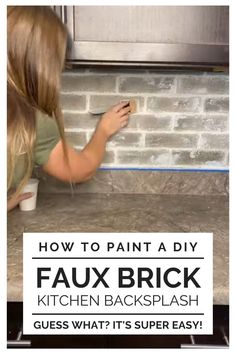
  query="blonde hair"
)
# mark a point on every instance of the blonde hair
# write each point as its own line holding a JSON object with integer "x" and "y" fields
{"x": 36, "y": 46}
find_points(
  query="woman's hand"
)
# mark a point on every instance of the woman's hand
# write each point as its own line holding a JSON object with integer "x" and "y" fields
{"x": 114, "y": 119}
{"x": 83, "y": 164}
{"x": 12, "y": 202}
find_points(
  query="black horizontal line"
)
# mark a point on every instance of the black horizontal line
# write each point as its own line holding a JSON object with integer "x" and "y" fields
{"x": 117, "y": 257}
{"x": 84, "y": 314}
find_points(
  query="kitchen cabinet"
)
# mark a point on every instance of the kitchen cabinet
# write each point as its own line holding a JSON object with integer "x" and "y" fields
{"x": 154, "y": 35}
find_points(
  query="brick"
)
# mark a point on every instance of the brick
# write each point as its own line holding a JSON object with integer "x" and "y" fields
{"x": 125, "y": 139}
{"x": 73, "y": 102}
{"x": 146, "y": 84}
{"x": 146, "y": 157}
{"x": 81, "y": 121}
{"x": 214, "y": 141}
{"x": 90, "y": 134}
{"x": 203, "y": 84}
{"x": 76, "y": 138}
{"x": 109, "y": 157}
{"x": 227, "y": 159}
{"x": 173, "y": 104}
{"x": 198, "y": 158}
{"x": 150, "y": 122}
{"x": 217, "y": 104}
{"x": 171, "y": 140}
{"x": 201, "y": 123}
{"x": 99, "y": 83}
{"x": 110, "y": 100}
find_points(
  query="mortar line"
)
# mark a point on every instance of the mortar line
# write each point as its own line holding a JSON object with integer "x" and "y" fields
{"x": 177, "y": 168}
{"x": 163, "y": 94}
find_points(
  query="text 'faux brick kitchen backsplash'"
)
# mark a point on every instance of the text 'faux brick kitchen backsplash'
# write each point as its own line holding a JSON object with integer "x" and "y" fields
{"x": 181, "y": 119}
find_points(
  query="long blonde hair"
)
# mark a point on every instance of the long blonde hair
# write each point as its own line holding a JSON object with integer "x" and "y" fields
{"x": 36, "y": 45}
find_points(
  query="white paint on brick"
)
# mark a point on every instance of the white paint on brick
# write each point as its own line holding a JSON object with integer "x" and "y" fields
{"x": 75, "y": 130}
{"x": 199, "y": 141}
{"x": 162, "y": 159}
{"x": 142, "y": 140}
{"x": 75, "y": 111}
{"x": 145, "y": 105}
{"x": 117, "y": 86}
{"x": 173, "y": 122}
{"x": 192, "y": 154}
{"x": 87, "y": 103}
{"x": 213, "y": 163}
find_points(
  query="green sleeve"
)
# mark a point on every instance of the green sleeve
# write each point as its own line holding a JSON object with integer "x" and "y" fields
{"x": 47, "y": 136}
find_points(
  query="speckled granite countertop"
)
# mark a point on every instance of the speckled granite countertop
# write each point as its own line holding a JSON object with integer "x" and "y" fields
{"x": 122, "y": 213}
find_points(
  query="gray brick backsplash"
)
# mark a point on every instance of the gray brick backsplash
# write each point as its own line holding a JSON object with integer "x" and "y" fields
{"x": 76, "y": 138}
{"x": 203, "y": 85}
{"x": 174, "y": 104}
{"x": 147, "y": 157}
{"x": 73, "y": 102}
{"x": 217, "y": 104}
{"x": 201, "y": 123}
{"x": 146, "y": 84}
{"x": 81, "y": 121}
{"x": 150, "y": 122}
{"x": 171, "y": 140}
{"x": 109, "y": 157}
{"x": 227, "y": 158}
{"x": 125, "y": 139}
{"x": 181, "y": 118}
{"x": 214, "y": 141}
{"x": 95, "y": 83}
{"x": 198, "y": 158}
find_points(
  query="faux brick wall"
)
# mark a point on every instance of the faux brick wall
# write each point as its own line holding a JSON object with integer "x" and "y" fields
{"x": 181, "y": 119}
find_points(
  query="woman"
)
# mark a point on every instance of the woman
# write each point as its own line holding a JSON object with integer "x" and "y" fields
{"x": 37, "y": 42}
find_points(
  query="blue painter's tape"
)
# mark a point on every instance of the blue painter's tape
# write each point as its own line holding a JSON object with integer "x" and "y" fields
{"x": 162, "y": 169}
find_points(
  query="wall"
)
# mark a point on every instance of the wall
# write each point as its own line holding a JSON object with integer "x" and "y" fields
{"x": 181, "y": 120}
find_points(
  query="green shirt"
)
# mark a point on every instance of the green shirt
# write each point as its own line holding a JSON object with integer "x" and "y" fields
{"x": 47, "y": 136}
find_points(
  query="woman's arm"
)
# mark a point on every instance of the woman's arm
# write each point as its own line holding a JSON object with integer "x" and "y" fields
{"x": 84, "y": 164}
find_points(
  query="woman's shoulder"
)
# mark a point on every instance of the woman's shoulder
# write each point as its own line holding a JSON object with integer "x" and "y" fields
{"x": 45, "y": 123}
